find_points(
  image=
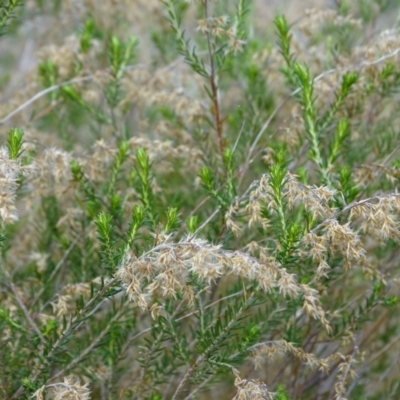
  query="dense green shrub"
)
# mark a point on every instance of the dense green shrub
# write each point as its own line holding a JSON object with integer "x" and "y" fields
{"x": 197, "y": 205}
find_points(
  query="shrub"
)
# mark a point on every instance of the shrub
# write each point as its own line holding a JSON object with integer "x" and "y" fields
{"x": 197, "y": 206}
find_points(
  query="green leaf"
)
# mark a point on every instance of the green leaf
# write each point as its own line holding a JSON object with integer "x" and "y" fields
{"x": 15, "y": 142}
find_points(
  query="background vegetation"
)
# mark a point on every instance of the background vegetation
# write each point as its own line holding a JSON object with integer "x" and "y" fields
{"x": 198, "y": 200}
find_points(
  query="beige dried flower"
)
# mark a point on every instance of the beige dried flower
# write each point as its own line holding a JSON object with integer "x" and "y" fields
{"x": 316, "y": 18}
{"x": 271, "y": 350}
{"x": 249, "y": 389}
{"x": 10, "y": 172}
{"x": 202, "y": 25}
{"x": 69, "y": 389}
{"x": 230, "y": 223}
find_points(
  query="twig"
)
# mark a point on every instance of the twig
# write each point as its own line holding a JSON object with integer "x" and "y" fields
{"x": 350, "y": 206}
{"x": 204, "y": 224}
{"x": 191, "y": 313}
{"x": 26, "y": 313}
{"x": 53, "y": 88}
{"x": 87, "y": 351}
{"x": 55, "y": 270}
{"x": 214, "y": 87}
{"x": 39, "y": 95}
{"x": 208, "y": 351}
{"x": 67, "y": 331}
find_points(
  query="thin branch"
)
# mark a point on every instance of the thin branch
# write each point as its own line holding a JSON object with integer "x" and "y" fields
{"x": 53, "y": 88}
{"x": 198, "y": 388}
{"x": 350, "y": 206}
{"x": 39, "y": 95}
{"x": 191, "y": 313}
{"x": 27, "y": 314}
{"x": 55, "y": 270}
{"x": 204, "y": 224}
{"x": 238, "y": 138}
{"x": 89, "y": 349}
{"x": 72, "y": 325}
{"x": 214, "y": 86}
{"x": 208, "y": 351}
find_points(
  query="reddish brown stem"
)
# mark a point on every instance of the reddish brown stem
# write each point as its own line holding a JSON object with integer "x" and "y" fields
{"x": 214, "y": 88}
{"x": 217, "y": 115}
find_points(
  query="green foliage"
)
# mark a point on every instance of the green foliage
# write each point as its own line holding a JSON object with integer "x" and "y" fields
{"x": 88, "y": 33}
{"x": 14, "y": 143}
{"x": 284, "y": 44}
{"x": 104, "y": 228}
{"x": 7, "y": 13}
{"x": 194, "y": 206}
